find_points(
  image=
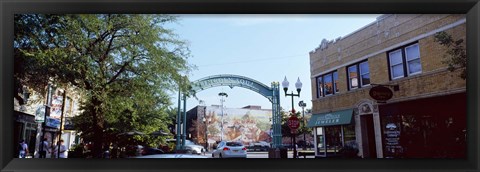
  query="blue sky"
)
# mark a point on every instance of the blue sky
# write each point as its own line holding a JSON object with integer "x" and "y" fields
{"x": 265, "y": 48}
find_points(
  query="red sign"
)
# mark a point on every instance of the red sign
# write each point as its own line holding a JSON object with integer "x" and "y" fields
{"x": 381, "y": 93}
{"x": 293, "y": 122}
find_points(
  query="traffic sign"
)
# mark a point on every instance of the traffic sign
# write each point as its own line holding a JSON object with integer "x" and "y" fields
{"x": 293, "y": 122}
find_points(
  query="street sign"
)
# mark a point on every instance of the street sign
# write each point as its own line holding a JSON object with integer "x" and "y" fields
{"x": 293, "y": 122}
{"x": 293, "y": 131}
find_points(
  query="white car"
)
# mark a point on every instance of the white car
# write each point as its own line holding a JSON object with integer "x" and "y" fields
{"x": 171, "y": 156}
{"x": 230, "y": 149}
{"x": 193, "y": 148}
{"x": 261, "y": 145}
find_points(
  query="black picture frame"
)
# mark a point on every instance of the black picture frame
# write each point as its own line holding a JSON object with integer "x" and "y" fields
{"x": 9, "y": 7}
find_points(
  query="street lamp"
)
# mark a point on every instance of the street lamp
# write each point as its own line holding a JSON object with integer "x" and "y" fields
{"x": 222, "y": 94}
{"x": 206, "y": 122}
{"x": 303, "y": 105}
{"x": 298, "y": 85}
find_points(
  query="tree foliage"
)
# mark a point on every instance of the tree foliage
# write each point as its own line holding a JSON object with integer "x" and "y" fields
{"x": 456, "y": 55}
{"x": 125, "y": 65}
{"x": 286, "y": 130}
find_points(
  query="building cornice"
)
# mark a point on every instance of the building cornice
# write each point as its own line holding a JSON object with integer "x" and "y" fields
{"x": 421, "y": 36}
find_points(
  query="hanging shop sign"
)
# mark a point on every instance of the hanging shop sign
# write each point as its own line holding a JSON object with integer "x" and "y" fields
{"x": 40, "y": 113}
{"x": 68, "y": 123}
{"x": 56, "y": 109}
{"x": 52, "y": 122}
{"x": 381, "y": 93}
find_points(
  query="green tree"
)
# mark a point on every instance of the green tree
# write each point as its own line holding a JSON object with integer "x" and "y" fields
{"x": 286, "y": 130}
{"x": 32, "y": 33}
{"x": 124, "y": 64}
{"x": 456, "y": 55}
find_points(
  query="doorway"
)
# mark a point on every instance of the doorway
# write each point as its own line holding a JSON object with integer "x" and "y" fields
{"x": 368, "y": 136}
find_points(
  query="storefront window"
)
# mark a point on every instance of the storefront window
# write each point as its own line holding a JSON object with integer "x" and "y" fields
{"x": 349, "y": 133}
{"x": 320, "y": 141}
{"x": 333, "y": 139}
{"x": 410, "y": 131}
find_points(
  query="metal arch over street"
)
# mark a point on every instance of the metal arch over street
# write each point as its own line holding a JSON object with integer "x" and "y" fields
{"x": 232, "y": 81}
{"x": 271, "y": 93}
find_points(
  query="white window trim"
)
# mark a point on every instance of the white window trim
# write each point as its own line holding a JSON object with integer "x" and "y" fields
{"x": 406, "y": 60}
{"x": 320, "y": 88}
{"x": 391, "y": 64}
{"x": 361, "y": 81}
{"x": 361, "y": 74}
{"x": 415, "y": 73}
{"x": 412, "y": 46}
{"x": 323, "y": 93}
{"x": 333, "y": 87}
{"x": 350, "y": 78}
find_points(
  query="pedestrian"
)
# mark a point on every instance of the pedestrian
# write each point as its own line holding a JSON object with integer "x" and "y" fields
{"x": 23, "y": 149}
{"x": 44, "y": 148}
{"x": 63, "y": 150}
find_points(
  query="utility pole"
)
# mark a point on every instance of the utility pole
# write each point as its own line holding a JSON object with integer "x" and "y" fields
{"x": 61, "y": 121}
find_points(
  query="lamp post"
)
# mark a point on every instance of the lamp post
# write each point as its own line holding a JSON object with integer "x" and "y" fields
{"x": 222, "y": 95}
{"x": 298, "y": 85}
{"x": 206, "y": 122}
{"x": 303, "y": 105}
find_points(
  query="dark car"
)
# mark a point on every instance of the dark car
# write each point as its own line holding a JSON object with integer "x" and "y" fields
{"x": 151, "y": 151}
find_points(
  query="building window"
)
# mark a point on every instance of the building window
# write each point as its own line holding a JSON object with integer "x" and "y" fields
{"x": 327, "y": 84}
{"x": 335, "y": 81}
{"x": 358, "y": 75}
{"x": 413, "y": 59}
{"x": 352, "y": 77}
{"x": 320, "y": 87}
{"x": 396, "y": 64}
{"x": 364, "y": 74}
{"x": 405, "y": 61}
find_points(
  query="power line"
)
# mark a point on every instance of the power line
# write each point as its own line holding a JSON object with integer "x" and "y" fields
{"x": 252, "y": 60}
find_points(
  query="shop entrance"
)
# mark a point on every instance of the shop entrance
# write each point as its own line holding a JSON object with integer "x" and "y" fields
{"x": 368, "y": 136}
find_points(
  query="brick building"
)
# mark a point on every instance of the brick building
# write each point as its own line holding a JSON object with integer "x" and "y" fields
{"x": 29, "y": 118}
{"x": 425, "y": 118}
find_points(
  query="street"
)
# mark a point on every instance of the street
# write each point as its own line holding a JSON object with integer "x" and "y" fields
{"x": 258, "y": 155}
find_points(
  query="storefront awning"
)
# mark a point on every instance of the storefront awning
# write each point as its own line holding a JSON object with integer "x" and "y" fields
{"x": 331, "y": 118}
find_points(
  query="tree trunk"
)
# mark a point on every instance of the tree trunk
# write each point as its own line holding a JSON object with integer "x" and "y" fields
{"x": 97, "y": 128}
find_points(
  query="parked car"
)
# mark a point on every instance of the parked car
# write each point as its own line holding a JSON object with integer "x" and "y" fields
{"x": 151, "y": 151}
{"x": 193, "y": 148}
{"x": 229, "y": 149}
{"x": 171, "y": 156}
{"x": 261, "y": 145}
{"x": 190, "y": 146}
{"x": 134, "y": 150}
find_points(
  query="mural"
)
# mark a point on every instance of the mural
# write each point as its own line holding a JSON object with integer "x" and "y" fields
{"x": 244, "y": 125}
